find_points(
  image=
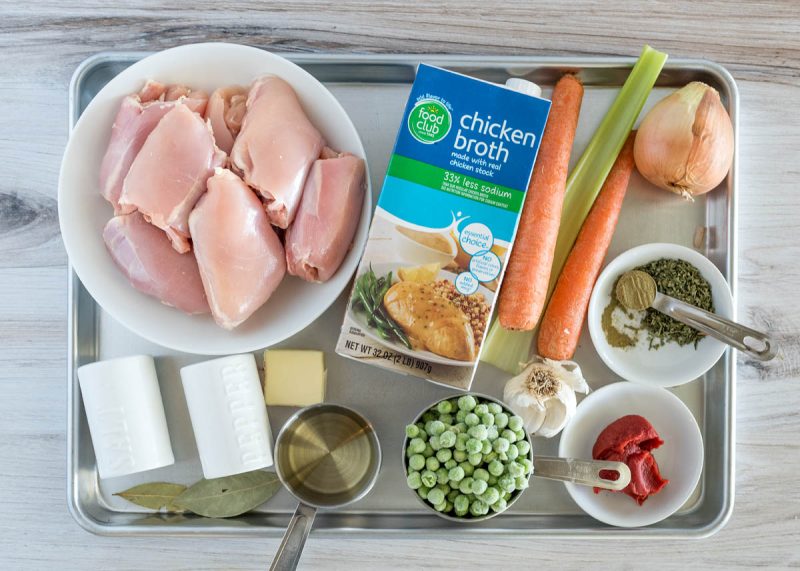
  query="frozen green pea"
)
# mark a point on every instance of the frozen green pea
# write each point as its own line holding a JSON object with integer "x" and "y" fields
{"x": 474, "y": 446}
{"x": 441, "y": 476}
{"x": 501, "y": 420}
{"x": 467, "y": 402}
{"x": 481, "y": 409}
{"x": 501, "y": 445}
{"x": 447, "y": 439}
{"x": 412, "y": 431}
{"x": 527, "y": 464}
{"x": 478, "y": 508}
{"x": 478, "y": 432}
{"x": 512, "y": 452}
{"x": 492, "y": 481}
{"x": 509, "y": 435}
{"x": 475, "y": 459}
{"x": 479, "y": 486}
{"x": 490, "y": 496}
{"x": 507, "y": 496}
{"x": 428, "y": 478}
{"x": 468, "y": 468}
{"x": 416, "y": 462}
{"x": 490, "y": 457}
{"x": 499, "y": 506}
{"x": 523, "y": 447}
{"x": 432, "y": 463}
{"x": 416, "y": 445}
{"x": 436, "y": 496}
{"x": 428, "y": 416}
{"x": 460, "y": 455}
{"x": 487, "y": 419}
{"x": 496, "y": 468}
{"x": 521, "y": 483}
{"x": 502, "y": 456}
{"x": 423, "y": 435}
{"x": 481, "y": 474}
{"x": 460, "y": 415}
{"x": 437, "y": 427}
{"x": 520, "y": 434}
{"x": 495, "y": 408}
{"x": 461, "y": 503}
{"x": 447, "y": 420}
{"x": 413, "y": 480}
{"x": 515, "y": 423}
{"x": 486, "y": 447}
{"x": 444, "y": 407}
{"x": 434, "y": 443}
{"x": 492, "y": 434}
{"x": 515, "y": 469}
{"x": 444, "y": 455}
{"x": 450, "y": 464}
{"x": 456, "y": 474}
{"x": 461, "y": 441}
{"x": 452, "y": 495}
{"x": 506, "y": 483}
{"x": 472, "y": 419}
{"x": 422, "y": 492}
{"x": 465, "y": 486}
{"x": 428, "y": 451}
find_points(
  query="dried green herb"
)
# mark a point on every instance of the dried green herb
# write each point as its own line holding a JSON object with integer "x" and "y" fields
{"x": 229, "y": 496}
{"x": 154, "y": 495}
{"x": 683, "y": 281}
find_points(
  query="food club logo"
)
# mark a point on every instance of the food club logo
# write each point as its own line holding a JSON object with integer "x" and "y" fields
{"x": 429, "y": 121}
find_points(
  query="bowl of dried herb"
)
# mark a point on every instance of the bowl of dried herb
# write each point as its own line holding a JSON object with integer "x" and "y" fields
{"x": 645, "y": 345}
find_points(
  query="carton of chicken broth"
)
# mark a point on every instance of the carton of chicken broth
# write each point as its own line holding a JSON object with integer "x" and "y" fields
{"x": 443, "y": 227}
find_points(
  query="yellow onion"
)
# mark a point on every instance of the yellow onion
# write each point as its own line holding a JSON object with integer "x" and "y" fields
{"x": 685, "y": 143}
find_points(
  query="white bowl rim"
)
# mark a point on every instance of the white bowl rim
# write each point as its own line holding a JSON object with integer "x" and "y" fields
{"x": 189, "y": 345}
{"x": 615, "y": 358}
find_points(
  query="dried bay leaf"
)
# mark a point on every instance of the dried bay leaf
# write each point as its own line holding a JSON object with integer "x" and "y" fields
{"x": 153, "y": 495}
{"x": 229, "y": 496}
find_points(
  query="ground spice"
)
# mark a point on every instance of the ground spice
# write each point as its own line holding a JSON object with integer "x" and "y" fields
{"x": 635, "y": 290}
{"x": 614, "y": 336}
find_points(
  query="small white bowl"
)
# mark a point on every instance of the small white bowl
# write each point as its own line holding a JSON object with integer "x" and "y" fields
{"x": 680, "y": 458}
{"x": 83, "y": 212}
{"x": 670, "y": 365}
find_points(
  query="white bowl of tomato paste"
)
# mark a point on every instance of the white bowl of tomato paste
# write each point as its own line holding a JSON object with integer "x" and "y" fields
{"x": 654, "y": 433}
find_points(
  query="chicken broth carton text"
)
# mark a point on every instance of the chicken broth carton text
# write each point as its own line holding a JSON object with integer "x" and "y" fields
{"x": 443, "y": 227}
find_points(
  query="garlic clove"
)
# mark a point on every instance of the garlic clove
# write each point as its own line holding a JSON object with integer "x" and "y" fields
{"x": 532, "y": 418}
{"x": 560, "y": 410}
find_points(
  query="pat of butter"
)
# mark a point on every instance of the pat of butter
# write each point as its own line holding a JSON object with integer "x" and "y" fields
{"x": 294, "y": 378}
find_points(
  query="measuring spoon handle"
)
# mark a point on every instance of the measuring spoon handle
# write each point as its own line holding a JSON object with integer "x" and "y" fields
{"x": 294, "y": 539}
{"x": 581, "y": 472}
{"x": 749, "y": 341}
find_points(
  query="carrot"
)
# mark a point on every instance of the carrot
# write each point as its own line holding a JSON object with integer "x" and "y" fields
{"x": 524, "y": 290}
{"x": 563, "y": 319}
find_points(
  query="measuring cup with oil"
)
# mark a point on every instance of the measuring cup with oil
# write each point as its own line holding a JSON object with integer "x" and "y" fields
{"x": 327, "y": 456}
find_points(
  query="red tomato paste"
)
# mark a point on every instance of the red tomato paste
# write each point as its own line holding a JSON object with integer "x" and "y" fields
{"x": 630, "y": 439}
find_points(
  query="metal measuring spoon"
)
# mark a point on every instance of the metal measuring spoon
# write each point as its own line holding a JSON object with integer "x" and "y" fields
{"x": 582, "y": 472}
{"x": 748, "y": 341}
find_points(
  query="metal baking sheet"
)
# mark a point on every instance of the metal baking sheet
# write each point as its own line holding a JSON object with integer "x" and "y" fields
{"x": 373, "y": 89}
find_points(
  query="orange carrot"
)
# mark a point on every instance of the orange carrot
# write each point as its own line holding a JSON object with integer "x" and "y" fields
{"x": 563, "y": 319}
{"x": 524, "y": 290}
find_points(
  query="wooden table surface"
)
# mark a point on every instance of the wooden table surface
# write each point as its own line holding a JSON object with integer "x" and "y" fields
{"x": 41, "y": 44}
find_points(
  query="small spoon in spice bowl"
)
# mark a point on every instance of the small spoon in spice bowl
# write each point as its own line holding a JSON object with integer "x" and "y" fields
{"x": 636, "y": 290}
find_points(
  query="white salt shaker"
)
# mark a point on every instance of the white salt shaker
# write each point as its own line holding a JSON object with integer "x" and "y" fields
{"x": 229, "y": 416}
{"x": 126, "y": 415}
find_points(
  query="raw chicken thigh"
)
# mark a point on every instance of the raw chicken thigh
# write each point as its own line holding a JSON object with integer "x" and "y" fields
{"x": 143, "y": 253}
{"x": 276, "y": 147}
{"x": 170, "y": 172}
{"x": 319, "y": 237}
{"x": 225, "y": 112}
{"x": 137, "y": 117}
{"x": 241, "y": 259}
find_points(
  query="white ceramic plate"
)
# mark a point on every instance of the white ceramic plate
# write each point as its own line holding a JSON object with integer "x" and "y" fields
{"x": 83, "y": 212}
{"x": 680, "y": 458}
{"x": 671, "y": 364}
{"x": 360, "y": 319}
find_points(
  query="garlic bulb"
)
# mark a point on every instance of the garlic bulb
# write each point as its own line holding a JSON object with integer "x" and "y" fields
{"x": 685, "y": 143}
{"x": 544, "y": 395}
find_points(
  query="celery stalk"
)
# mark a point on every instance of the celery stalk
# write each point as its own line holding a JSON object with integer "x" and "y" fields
{"x": 507, "y": 349}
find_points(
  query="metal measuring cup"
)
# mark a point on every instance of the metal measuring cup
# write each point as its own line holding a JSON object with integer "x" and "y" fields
{"x": 327, "y": 456}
